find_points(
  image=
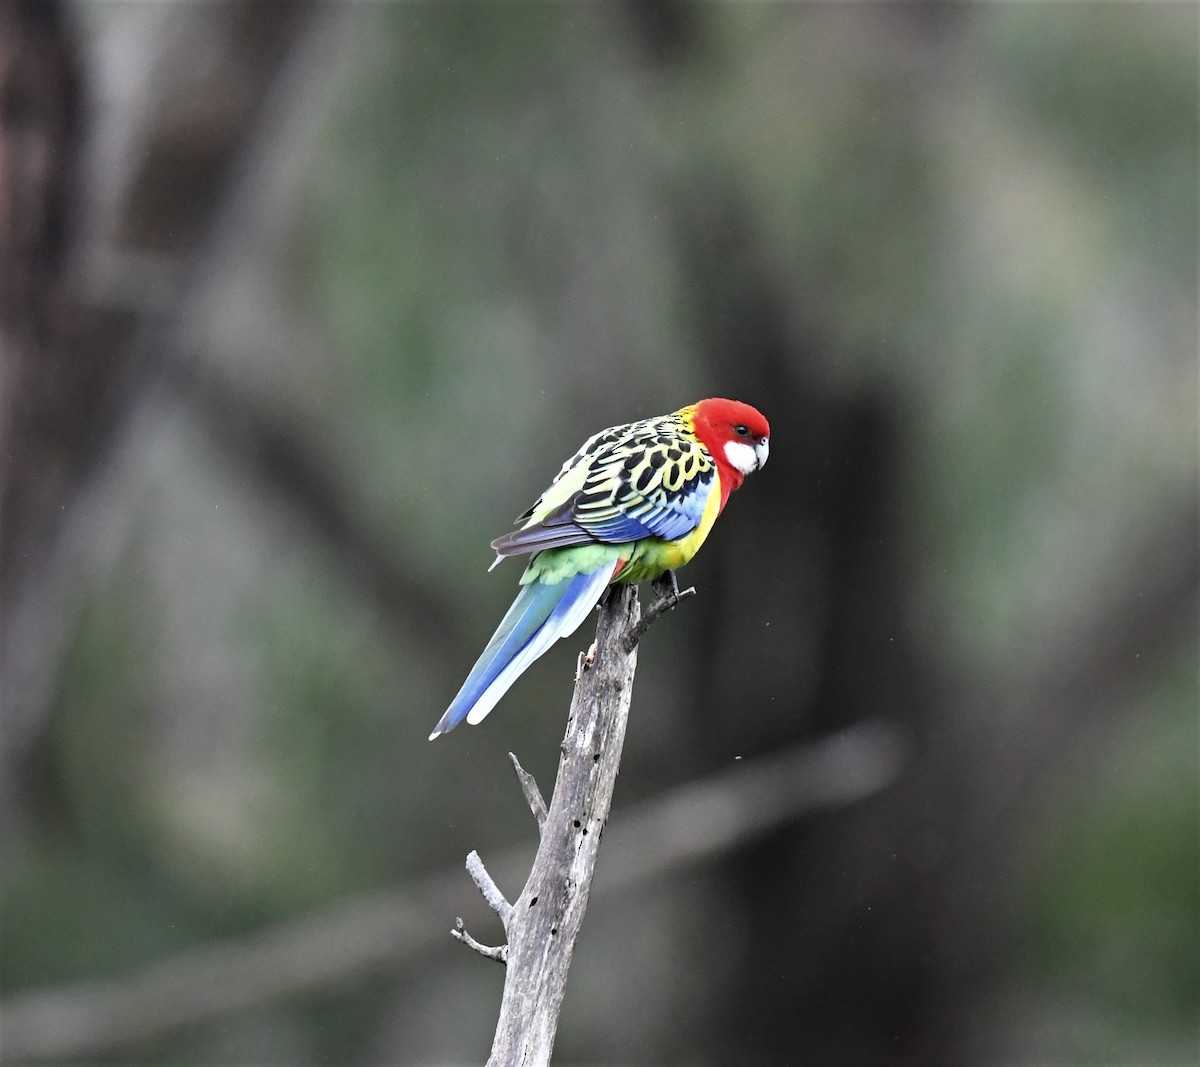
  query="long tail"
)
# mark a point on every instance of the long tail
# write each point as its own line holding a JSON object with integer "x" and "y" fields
{"x": 541, "y": 614}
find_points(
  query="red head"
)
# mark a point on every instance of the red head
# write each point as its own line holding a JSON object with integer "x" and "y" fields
{"x": 736, "y": 435}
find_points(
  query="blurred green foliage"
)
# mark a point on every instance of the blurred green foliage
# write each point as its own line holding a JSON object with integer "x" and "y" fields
{"x": 1082, "y": 954}
{"x": 986, "y": 213}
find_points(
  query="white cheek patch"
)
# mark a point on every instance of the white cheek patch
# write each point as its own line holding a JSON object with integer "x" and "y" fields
{"x": 741, "y": 457}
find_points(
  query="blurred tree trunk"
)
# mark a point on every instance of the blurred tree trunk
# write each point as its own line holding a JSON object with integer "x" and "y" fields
{"x": 41, "y": 394}
{"x": 78, "y": 352}
{"x": 829, "y": 966}
{"x": 873, "y": 933}
{"x": 50, "y": 394}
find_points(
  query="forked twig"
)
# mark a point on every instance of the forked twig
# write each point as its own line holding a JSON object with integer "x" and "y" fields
{"x": 499, "y": 953}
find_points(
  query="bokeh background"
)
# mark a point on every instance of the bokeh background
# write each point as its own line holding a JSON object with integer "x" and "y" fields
{"x": 302, "y": 303}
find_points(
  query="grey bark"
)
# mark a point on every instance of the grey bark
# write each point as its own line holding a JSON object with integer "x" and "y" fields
{"x": 546, "y": 918}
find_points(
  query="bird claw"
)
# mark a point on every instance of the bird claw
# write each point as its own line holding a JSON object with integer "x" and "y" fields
{"x": 667, "y": 596}
{"x": 667, "y": 593}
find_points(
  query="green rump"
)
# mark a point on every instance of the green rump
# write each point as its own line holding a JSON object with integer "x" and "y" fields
{"x": 648, "y": 558}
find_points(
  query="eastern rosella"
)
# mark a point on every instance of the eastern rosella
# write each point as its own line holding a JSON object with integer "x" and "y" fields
{"x": 634, "y": 502}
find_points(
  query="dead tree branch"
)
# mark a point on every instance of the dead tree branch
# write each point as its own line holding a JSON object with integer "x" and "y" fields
{"x": 533, "y": 795}
{"x": 546, "y": 919}
{"x": 499, "y": 953}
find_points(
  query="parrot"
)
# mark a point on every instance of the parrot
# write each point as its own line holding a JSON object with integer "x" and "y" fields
{"x": 634, "y": 503}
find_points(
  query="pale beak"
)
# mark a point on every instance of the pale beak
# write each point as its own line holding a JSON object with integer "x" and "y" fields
{"x": 761, "y": 451}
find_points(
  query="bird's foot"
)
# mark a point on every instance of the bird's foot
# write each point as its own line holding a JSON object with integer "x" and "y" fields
{"x": 674, "y": 583}
{"x": 667, "y": 595}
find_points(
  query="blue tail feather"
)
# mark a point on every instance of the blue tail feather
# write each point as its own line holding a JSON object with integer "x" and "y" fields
{"x": 540, "y": 615}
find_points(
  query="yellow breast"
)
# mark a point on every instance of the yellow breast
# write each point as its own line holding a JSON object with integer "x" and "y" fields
{"x": 653, "y": 555}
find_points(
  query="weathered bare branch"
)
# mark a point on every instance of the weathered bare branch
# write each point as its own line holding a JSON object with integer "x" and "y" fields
{"x": 499, "y": 953}
{"x": 488, "y": 888}
{"x": 533, "y": 795}
{"x": 548, "y": 915}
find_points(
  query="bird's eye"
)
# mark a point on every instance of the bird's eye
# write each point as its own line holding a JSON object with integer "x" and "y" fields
{"x": 740, "y": 430}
